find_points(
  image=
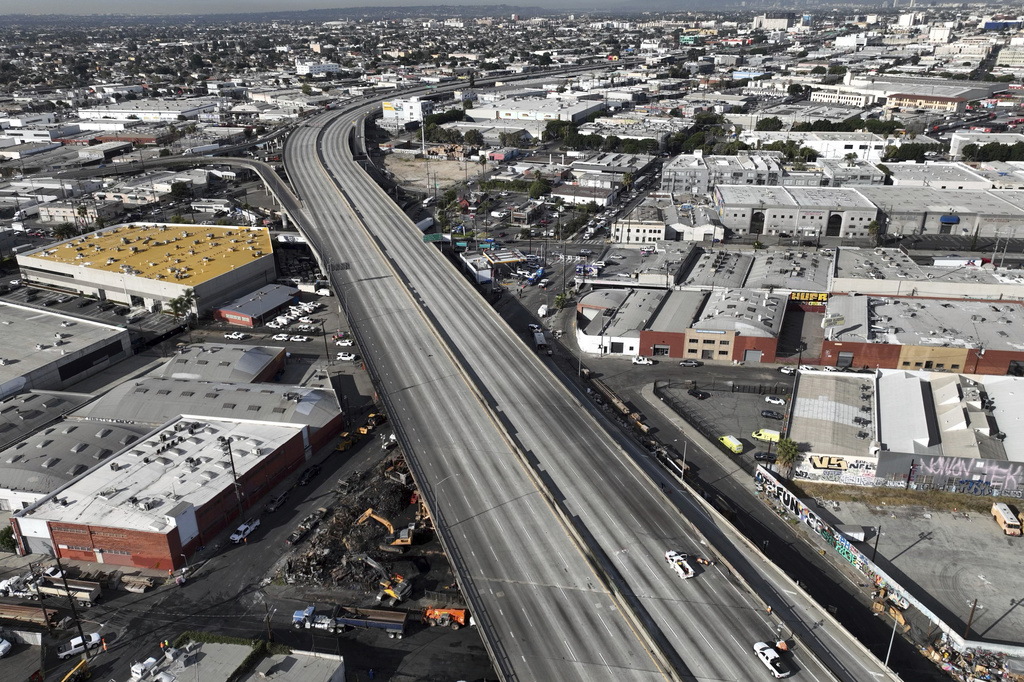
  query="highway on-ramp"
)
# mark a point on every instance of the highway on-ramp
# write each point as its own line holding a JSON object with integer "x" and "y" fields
{"x": 436, "y": 354}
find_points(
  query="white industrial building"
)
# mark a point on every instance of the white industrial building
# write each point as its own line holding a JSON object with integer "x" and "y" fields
{"x": 535, "y": 109}
{"x": 867, "y": 146}
{"x": 161, "y": 110}
{"x": 801, "y": 211}
{"x": 399, "y": 113}
{"x": 44, "y": 350}
{"x": 146, "y": 265}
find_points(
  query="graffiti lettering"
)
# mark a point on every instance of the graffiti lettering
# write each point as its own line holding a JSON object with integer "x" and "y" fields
{"x": 962, "y": 470}
{"x": 814, "y": 297}
{"x": 819, "y": 462}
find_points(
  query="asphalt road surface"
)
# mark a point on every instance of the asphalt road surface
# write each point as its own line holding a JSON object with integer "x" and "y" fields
{"x": 545, "y": 614}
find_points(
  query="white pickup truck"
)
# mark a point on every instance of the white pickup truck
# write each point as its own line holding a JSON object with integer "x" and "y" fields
{"x": 678, "y": 563}
{"x": 77, "y": 646}
{"x": 244, "y": 530}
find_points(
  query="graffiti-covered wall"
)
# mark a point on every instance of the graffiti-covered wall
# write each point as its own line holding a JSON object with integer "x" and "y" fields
{"x": 971, "y": 475}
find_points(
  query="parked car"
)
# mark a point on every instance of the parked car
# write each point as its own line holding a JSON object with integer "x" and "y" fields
{"x": 690, "y": 363}
{"x": 276, "y": 502}
{"x": 699, "y": 395}
{"x": 765, "y": 457}
{"x": 299, "y": 339}
{"x": 279, "y": 337}
{"x": 236, "y": 336}
{"x": 772, "y": 414}
{"x": 346, "y": 343}
{"x": 767, "y": 654}
{"x": 641, "y": 360}
{"x": 774, "y": 400}
{"x": 347, "y": 356}
{"x": 309, "y": 474}
{"x": 5, "y": 647}
{"x": 244, "y": 530}
{"x": 785, "y": 369}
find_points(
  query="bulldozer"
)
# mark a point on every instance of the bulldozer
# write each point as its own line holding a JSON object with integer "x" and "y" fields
{"x": 348, "y": 440}
{"x": 445, "y": 617}
{"x": 394, "y": 587}
{"x": 402, "y": 538}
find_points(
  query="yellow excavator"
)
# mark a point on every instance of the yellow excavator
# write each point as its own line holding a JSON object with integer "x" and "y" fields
{"x": 403, "y": 538}
{"x": 394, "y": 587}
{"x": 79, "y": 672}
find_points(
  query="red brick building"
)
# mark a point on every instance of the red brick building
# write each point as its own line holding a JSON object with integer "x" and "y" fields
{"x": 164, "y": 496}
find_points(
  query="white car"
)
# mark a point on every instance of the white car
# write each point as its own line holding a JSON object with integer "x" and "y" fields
{"x": 785, "y": 369}
{"x": 236, "y": 336}
{"x": 346, "y": 356}
{"x": 774, "y": 400}
{"x": 274, "y": 325}
{"x": 299, "y": 339}
{"x": 806, "y": 368}
{"x": 279, "y": 337}
{"x": 244, "y": 530}
{"x": 830, "y": 368}
{"x": 306, "y": 320}
{"x": 5, "y": 647}
{"x": 346, "y": 343}
{"x": 678, "y": 563}
{"x": 544, "y": 282}
{"x": 641, "y": 360}
{"x": 771, "y": 659}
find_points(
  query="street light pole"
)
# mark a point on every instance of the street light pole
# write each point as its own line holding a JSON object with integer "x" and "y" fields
{"x": 225, "y": 446}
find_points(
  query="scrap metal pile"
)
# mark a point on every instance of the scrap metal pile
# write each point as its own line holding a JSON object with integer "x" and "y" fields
{"x": 362, "y": 522}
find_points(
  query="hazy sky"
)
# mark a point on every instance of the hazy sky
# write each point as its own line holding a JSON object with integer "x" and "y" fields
{"x": 225, "y": 6}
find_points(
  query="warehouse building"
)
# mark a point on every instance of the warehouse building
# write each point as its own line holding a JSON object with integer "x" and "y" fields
{"x": 146, "y": 265}
{"x": 915, "y": 429}
{"x": 254, "y": 309}
{"x": 49, "y": 351}
{"x": 949, "y": 335}
{"x": 55, "y": 454}
{"x": 809, "y": 212}
{"x": 164, "y": 496}
{"x": 156, "y": 400}
{"x": 535, "y": 109}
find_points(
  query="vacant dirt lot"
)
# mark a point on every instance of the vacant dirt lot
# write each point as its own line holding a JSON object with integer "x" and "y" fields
{"x": 411, "y": 173}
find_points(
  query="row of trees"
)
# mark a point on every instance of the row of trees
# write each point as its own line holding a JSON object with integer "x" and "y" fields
{"x": 993, "y": 151}
{"x": 850, "y": 125}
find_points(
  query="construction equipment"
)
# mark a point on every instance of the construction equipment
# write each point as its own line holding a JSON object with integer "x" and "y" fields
{"x": 79, "y": 672}
{"x": 349, "y": 440}
{"x": 308, "y": 619}
{"x": 84, "y": 592}
{"x": 391, "y": 622}
{"x": 29, "y": 614}
{"x": 398, "y": 471}
{"x": 375, "y": 419}
{"x": 394, "y": 587}
{"x": 445, "y": 617}
{"x": 403, "y": 538}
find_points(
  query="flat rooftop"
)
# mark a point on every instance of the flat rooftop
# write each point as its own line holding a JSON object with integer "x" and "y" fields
{"x": 58, "y": 453}
{"x": 894, "y": 199}
{"x": 790, "y": 269}
{"x": 151, "y": 480}
{"x": 188, "y": 254}
{"x": 823, "y": 410}
{"x": 28, "y": 338}
{"x": 220, "y": 362}
{"x": 748, "y": 312}
{"x": 155, "y": 401}
{"x": 948, "y": 174}
{"x": 894, "y": 264}
{"x": 678, "y": 311}
{"x": 719, "y": 268}
{"x": 24, "y": 413}
{"x": 630, "y": 316}
{"x": 991, "y": 325}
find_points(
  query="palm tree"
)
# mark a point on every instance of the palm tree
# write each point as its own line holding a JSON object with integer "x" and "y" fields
{"x": 181, "y": 307}
{"x": 786, "y": 452}
{"x": 850, "y": 159}
{"x": 65, "y": 231}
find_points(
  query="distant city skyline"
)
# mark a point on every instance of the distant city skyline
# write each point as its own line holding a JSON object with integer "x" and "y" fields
{"x": 187, "y": 7}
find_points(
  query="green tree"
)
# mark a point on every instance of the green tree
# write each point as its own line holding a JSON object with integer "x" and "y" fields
{"x": 770, "y": 123}
{"x": 874, "y": 229}
{"x": 474, "y": 137}
{"x": 65, "y": 231}
{"x": 539, "y": 187}
{"x": 306, "y": 89}
{"x": 850, "y": 159}
{"x": 561, "y": 300}
{"x": 786, "y": 452}
{"x": 7, "y": 543}
{"x": 795, "y": 90}
{"x": 164, "y": 152}
{"x": 179, "y": 189}
{"x": 837, "y": 70}
{"x": 819, "y": 70}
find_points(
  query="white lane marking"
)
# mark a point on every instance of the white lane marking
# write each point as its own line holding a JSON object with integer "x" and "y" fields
{"x": 570, "y": 651}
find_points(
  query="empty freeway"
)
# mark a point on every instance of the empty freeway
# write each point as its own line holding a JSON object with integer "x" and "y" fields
{"x": 466, "y": 392}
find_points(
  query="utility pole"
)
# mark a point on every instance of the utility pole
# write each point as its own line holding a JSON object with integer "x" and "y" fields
{"x": 878, "y": 534}
{"x": 225, "y": 446}
{"x": 970, "y": 619}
